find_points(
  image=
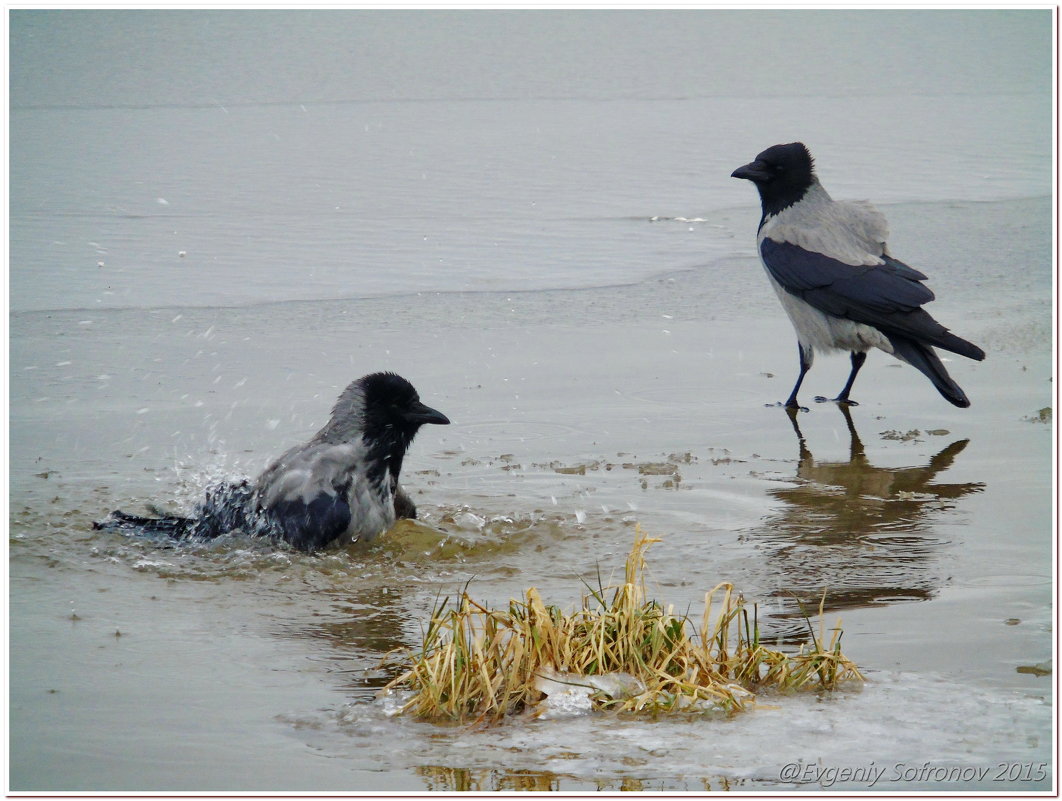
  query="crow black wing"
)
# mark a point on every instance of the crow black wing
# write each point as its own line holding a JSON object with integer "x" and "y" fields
{"x": 309, "y": 526}
{"x": 887, "y": 296}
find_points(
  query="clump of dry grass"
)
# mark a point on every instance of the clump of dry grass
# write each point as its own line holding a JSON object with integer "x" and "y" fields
{"x": 476, "y": 663}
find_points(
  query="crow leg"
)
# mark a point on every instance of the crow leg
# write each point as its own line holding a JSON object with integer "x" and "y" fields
{"x": 806, "y": 356}
{"x": 858, "y": 357}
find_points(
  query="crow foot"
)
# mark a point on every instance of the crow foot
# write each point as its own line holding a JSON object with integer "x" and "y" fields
{"x": 789, "y": 407}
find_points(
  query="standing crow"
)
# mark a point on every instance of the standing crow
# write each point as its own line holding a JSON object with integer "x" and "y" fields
{"x": 842, "y": 290}
{"x": 341, "y": 486}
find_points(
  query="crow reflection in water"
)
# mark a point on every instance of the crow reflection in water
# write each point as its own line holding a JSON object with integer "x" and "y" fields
{"x": 861, "y": 533}
{"x": 341, "y": 486}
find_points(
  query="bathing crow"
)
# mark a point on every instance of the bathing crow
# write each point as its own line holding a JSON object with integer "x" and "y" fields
{"x": 828, "y": 262}
{"x": 341, "y": 486}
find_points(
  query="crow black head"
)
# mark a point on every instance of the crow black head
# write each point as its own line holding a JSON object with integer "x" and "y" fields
{"x": 380, "y": 407}
{"x": 384, "y": 411}
{"x": 782, "y": 175}
{"x": 392, "y": 400}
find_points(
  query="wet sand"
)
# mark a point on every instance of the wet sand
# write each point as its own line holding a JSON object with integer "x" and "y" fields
{"x": 576, "y": 415}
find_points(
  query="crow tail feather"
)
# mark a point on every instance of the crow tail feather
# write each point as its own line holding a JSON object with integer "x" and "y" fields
{"x": 925, "y": 359}
{"x": 171, "y": 525}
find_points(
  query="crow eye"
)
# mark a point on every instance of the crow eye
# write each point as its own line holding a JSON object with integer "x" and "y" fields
{"x": 399, "y": 411}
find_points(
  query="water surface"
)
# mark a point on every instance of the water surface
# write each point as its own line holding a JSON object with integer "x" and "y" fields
{"x": 528, "y": 215}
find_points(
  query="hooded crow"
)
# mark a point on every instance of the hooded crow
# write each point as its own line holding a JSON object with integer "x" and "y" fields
{"x": 828, "y": 262}
{"x": 342, "y": 485}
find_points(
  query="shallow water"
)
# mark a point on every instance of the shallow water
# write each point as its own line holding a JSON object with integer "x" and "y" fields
{"x": 566, "y": 271}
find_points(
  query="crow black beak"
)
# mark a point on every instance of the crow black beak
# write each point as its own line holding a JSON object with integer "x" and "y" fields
{"x": 420, "y": 414}
{"x": 754, "y": 171}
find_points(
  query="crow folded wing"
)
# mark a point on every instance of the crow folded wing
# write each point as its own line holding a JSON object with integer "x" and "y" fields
{"x": 887, "y": 296}
{"x": 311, "y": 525}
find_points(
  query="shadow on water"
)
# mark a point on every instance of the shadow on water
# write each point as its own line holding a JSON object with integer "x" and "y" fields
{"x": 361, "y": 627}
{"x": 440, "y": 778}
{"x": 863, "y": 533}
{"x": 443, "y": 779}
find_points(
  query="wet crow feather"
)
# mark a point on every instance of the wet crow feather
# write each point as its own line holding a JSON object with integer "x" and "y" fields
{"x": 341, "y": 486}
